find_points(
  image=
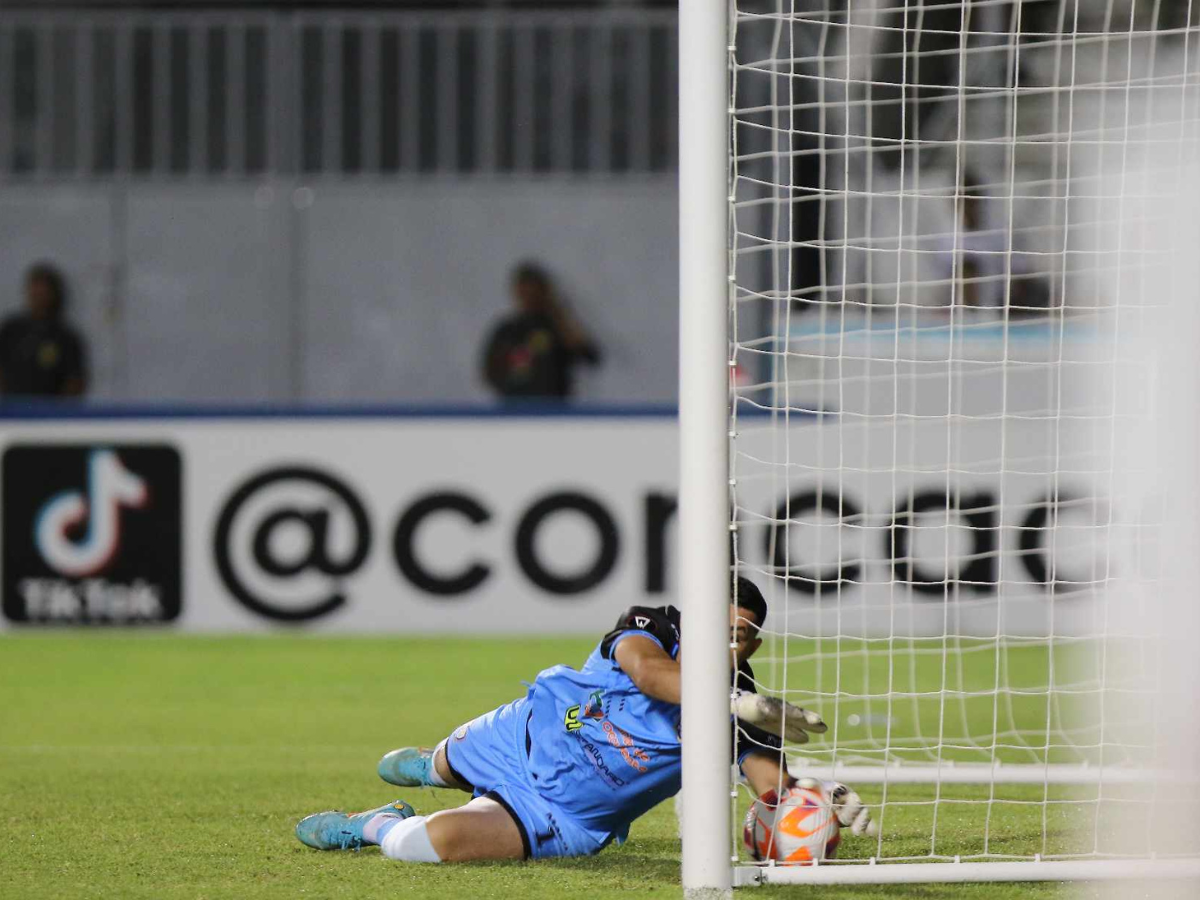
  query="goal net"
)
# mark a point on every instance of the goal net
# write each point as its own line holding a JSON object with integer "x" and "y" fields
{"x": 949, "y": 225}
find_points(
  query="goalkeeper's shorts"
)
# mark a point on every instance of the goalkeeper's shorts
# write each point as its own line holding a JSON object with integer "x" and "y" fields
{"x": 490, "y": 753}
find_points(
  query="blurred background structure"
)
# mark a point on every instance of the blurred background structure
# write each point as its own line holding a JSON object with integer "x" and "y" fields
{"x": 316, "y": 202}
{"x": 324, "y": 202}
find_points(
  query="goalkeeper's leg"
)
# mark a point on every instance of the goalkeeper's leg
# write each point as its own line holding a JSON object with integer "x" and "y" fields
{"x": 483, "y": 829}
{"x": 509, "y": 819}
{"x": 420, "y": 767}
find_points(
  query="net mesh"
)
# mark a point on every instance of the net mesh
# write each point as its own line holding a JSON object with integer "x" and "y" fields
{"x": 940, "y": 214}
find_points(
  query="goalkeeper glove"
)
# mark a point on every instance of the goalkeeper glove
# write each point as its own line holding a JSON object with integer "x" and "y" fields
{"x": 849, "y": 808}
{"x": 776, "y": 716}
{"x": 845, "y": 803}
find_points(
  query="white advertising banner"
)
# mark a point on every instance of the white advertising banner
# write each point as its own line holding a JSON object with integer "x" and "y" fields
{"x": 504, "y": 524}
{"x": 424, "y": 524}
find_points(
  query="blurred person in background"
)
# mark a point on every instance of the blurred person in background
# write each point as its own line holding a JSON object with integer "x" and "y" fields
{"x": 978, "y": 253}
{"x": 532, "y": 352}
{"x": 40, "y": 355}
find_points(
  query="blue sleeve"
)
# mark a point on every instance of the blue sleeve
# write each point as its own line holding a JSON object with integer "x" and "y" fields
{"x": 658, "y": 622}
{"x": 609, "y": 648}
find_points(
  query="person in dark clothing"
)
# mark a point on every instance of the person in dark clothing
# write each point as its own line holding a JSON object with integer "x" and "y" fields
{"x": 532, "y": 352}
{"x": 40, "y": 355}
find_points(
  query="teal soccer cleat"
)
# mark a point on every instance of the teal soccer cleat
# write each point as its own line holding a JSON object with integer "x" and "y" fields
{"x": 335, "y": 830}
{"x": 407, "y": 767}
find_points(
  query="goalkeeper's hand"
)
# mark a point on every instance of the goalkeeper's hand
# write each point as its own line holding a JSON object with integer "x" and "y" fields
{"x": 846, "y": 805}
{"x": 776, "y": 716}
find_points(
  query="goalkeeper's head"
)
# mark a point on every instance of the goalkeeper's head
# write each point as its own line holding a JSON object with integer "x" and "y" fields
{"x": 747, "y": 613}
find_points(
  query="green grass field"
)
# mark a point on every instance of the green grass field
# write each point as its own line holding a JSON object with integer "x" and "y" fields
{"x": 160, "y": 766}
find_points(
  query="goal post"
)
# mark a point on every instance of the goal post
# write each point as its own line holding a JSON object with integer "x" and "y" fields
{"x": 930, "y": 294}
{"x": 704, "y": 397}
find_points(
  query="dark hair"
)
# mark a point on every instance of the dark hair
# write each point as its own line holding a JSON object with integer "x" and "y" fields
{"x": 748, "y": 596}
{"x": 527, "y": 270}
{"x": 50, "y": 274}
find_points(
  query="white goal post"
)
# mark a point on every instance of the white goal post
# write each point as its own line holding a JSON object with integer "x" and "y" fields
{"x": 933, "y": 257}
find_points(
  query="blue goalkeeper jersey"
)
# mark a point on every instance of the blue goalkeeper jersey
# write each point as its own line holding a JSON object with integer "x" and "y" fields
{"x": 599, "y": 748}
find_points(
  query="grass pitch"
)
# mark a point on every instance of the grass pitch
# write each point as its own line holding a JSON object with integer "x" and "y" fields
{"x": 160, "y": 766}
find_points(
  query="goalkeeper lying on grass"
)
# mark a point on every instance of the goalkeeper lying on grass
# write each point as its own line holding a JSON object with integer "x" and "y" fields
{"x": 564, "y": 770}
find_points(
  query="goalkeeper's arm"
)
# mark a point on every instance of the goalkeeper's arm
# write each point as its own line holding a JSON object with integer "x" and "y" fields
{"x": 649, "y": 667}
{"x": 656, "y": 675}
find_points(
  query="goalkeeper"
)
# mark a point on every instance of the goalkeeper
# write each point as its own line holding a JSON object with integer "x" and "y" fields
{"x": 564, "y": 770}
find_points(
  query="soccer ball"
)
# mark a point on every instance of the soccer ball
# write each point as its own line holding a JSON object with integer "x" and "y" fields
{"x": 799, "y": 828}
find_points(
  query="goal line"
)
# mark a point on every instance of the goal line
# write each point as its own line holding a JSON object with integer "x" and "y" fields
{"x": 870, "y": 872}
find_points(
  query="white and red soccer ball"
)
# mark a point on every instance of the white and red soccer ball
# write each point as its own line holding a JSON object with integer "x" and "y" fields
{"x": 799, "y": 828}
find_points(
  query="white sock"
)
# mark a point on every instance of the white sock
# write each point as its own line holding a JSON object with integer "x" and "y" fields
{"x": 408, "y": 841}
{"x": 434, "y": 778}
{"x": 376, "y": 826}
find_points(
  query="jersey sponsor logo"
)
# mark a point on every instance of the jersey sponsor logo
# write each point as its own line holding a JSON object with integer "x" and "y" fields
{"x": 595, "y": 706}
{"x": 571, "y": 719}
{"x": 619, "y": 738}
{"x": 596, "y": 757}
{"x": 593, "y": 709}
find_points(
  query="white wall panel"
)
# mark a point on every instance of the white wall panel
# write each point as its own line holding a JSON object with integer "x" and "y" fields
{"x": 204, "y": 312}
{"x": 402, "y": 285}
{"x": 235, "y": 292}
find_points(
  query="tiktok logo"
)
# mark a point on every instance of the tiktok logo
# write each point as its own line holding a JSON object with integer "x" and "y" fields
{"x": 110, "y": 488}
{"x": 92, "y": 533}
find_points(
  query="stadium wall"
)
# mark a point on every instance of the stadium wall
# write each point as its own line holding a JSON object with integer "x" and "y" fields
{"x": 459, "y": 520}
{"x": 351, "y": 291}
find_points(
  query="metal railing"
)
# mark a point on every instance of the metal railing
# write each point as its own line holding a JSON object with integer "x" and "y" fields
{"x": 200, "y": 95}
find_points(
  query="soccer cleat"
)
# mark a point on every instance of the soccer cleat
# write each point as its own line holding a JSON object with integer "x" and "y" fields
{"x": 335, "y": 830}
{"x": 407, "y": 767}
